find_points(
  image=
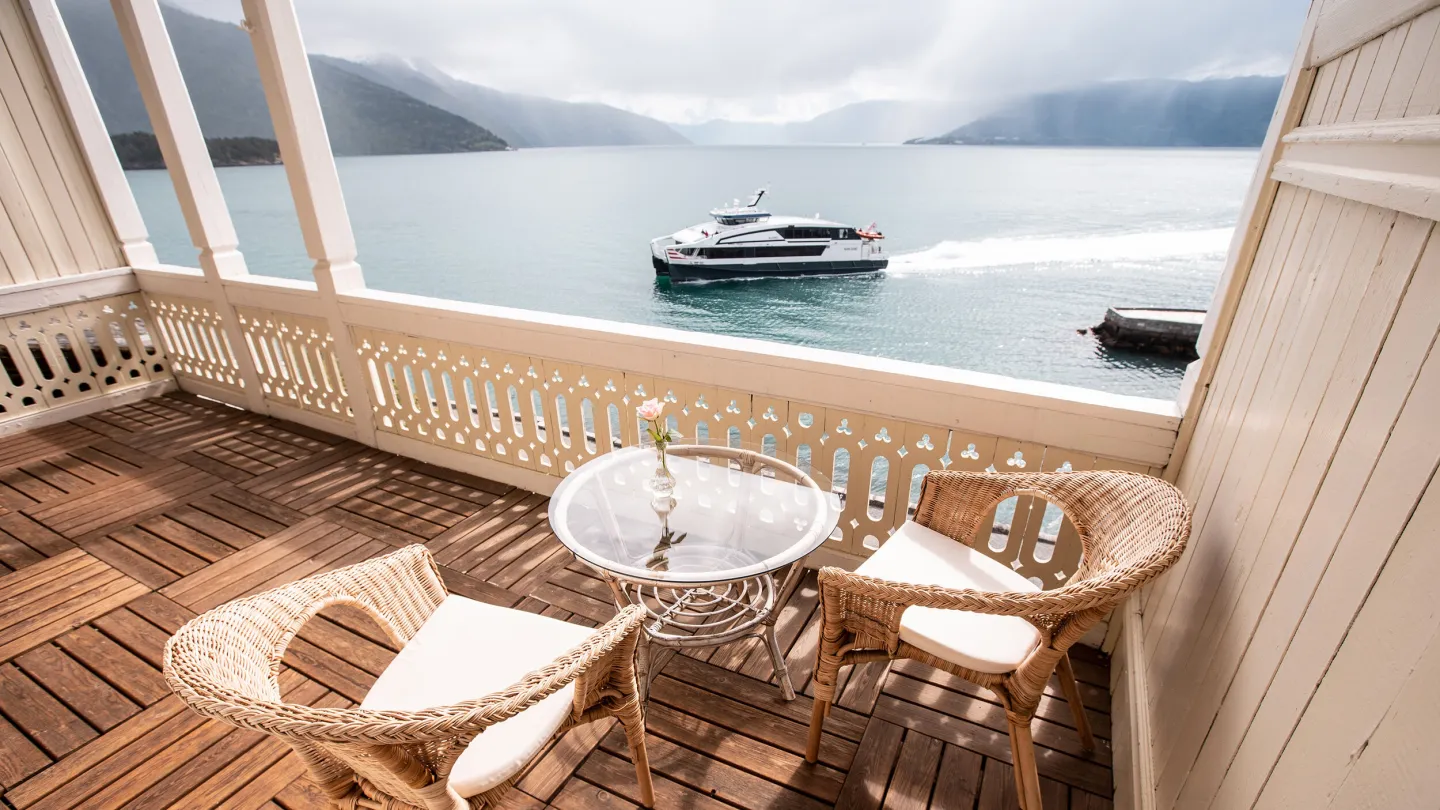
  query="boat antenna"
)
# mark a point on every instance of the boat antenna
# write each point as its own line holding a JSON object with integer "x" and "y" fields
{"x": 758, "y": 194}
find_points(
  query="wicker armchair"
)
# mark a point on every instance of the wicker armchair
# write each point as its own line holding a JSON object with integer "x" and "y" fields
{"x": 947, "y": 605}
{"x": 395, "y": 750}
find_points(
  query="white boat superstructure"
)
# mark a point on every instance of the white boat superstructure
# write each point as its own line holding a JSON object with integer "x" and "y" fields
{"x": 745, "y": 241}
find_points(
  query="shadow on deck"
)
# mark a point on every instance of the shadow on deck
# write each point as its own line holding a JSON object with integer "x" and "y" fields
{"x": 114, "y": 529}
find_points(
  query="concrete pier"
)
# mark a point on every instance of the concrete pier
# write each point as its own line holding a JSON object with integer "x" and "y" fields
{"x": 1156, "y": 330}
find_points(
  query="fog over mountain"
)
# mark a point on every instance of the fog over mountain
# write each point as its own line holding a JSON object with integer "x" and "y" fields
{"x": 861, "y": 122}
{"x": 423, "y": 97}
{"x": 1153, "y": 112}
{"x": 361, "y": 117}
{"x": 520, "y": 119}
{"x": 753, "y": 60}
{"x": 385, "y": 106}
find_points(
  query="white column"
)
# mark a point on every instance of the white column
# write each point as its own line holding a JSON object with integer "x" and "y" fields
{"x": 314, "y": 181}
{"x": 89, "y": 128}
{"x": 188, "y": 160}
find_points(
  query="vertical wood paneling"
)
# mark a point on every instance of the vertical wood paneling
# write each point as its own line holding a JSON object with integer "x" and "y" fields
{"x": 1425, "y": 99}
{"x": 1231, "y": 392}
{"x": 1314, "y": 447}
{"x": 1397, "y": 766}
{"x": 1310, "y": 315}
{"x": 1419, "y": 40}
{"x": 1289, "y": 206}
{"x": 1337, "y": 558}
{"x": 55, "y": 223}
{"x": 1393, "y": 627}
{"x": 1269, "y": 512}
{"x": 88, "y": 228}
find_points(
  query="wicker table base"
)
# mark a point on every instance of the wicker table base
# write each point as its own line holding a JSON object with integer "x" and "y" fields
{"x": 708, "y": 615}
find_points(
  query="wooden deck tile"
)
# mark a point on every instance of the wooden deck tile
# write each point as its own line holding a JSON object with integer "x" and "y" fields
{"x": 49, "y": 598}
{"x": 116, "y": 529}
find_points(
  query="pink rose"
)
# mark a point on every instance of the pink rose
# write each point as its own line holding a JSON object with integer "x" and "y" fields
{"x": 650, "y": 409}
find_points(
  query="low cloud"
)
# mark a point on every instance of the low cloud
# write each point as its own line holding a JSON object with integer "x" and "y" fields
{"x": 790, "y": 60}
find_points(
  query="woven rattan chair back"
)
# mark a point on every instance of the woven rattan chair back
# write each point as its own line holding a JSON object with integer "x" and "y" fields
{"x": 1132, "y": 527}
{"x": 225, "y": 664}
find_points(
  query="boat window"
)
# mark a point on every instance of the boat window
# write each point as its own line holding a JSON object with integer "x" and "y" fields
{"x": 762, "y": 252}
{"x": 811, "y": 233}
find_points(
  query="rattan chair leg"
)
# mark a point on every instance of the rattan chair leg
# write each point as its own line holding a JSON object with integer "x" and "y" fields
{"x": 1077, "y": 706}
{"x": 1027, "y": 777}
{"x": 817, "y": 725}
{"x": 634, "y": 722}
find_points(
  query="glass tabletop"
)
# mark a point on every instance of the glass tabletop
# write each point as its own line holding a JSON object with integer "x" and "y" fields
{"x": 735, "y": 513}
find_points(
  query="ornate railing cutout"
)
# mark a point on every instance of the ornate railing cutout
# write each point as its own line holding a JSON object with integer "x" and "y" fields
{"x": 67, "y": 354}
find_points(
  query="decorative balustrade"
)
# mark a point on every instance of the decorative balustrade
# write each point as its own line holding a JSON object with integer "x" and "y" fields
{"x": 540, "y": 397}
{"x": 71, "y": 353}
{"x": 194, "y": 337}
{"x": 295, "y": 355}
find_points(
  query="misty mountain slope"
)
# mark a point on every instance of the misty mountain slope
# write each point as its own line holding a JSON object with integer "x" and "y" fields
{"x": 861, "y": 122}
{"x": 361, "y": 116}
{"x": 520, "y": 119}
{"x": 1152, "y": 112}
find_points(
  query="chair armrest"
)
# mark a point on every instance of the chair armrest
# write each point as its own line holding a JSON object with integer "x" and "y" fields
{"x": 236, "y": 649}
{"x": 871, "y": 608}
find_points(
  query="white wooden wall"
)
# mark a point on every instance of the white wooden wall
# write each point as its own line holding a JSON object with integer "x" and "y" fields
{"x": 52, "y": 223}
{"x": 1291, "y": 657}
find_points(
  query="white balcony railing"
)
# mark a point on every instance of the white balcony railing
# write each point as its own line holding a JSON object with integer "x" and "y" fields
{"x": 527, "y": 397}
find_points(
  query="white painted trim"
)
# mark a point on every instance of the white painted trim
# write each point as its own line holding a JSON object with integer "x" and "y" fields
{"x": 1416, "y": 194}
{"x": 1344, "y": 24}
{"x": 187, "y": 158}
{"x": 18, "y": 299}
{"x": 201, "y": 388}
{"x": 314, "y": 181}
{"x": 84, "y": 407}
{"x": 310, "y": 419}
{"x": 171, "y": 280}
{"x": 1391, "y": 164}
{"x": 90, "y": 133}
{"x": 284, "y": 295}
{"x": 500, "y": 471}
{"x": 1134, "y": 767}
{"x": 1130, "y": 429}
{"x": 1423, "y": 129}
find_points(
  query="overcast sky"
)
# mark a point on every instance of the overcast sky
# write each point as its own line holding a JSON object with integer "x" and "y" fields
{"x": 687, "y": 61}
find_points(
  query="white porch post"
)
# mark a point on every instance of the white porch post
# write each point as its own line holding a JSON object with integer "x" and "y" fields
{"x": 95, "y": 143}
{"x": 188, "y": 160}
{"x": 314, "y": 182}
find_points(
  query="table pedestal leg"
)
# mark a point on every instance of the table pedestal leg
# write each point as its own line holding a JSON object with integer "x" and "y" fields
{"x": 777, "y": 656}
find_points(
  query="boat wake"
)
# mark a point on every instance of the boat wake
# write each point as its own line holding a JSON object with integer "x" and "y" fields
{"x": 992, "y": 254}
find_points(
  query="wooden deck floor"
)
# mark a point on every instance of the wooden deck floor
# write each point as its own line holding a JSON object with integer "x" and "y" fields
{"x": 116, "y": 528}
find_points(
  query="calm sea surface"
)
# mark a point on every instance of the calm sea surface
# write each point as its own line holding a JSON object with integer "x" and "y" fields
{"x": 998, "y": 254}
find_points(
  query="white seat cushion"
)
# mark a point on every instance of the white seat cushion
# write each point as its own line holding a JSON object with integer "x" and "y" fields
{"x": 984, "y": 643}
{"x": 466, "y": 650}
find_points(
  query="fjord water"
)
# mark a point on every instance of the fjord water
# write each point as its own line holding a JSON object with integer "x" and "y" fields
{"x": 998, "y": 255}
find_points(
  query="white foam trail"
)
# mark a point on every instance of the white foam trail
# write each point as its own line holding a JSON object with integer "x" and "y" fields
{"x": 999, "y": 252}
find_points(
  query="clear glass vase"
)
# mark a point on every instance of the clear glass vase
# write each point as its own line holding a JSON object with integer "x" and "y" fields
{"x": 662, "y": 483}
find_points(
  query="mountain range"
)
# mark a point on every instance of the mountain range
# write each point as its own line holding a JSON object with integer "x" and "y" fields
{"x": 1150, "y": 112}
{"x": 387, "y": 105}
{"x": 522, "y": 120}
{"x": 381, "y": 107}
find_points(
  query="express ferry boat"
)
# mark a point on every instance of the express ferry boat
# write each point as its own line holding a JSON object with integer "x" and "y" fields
{"x": 744, "y": 241}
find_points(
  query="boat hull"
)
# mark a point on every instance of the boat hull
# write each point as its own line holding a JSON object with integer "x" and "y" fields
{"x": 683, "y": 272}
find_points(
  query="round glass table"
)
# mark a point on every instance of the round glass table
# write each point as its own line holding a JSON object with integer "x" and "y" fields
{"x": 711, "y": 562}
